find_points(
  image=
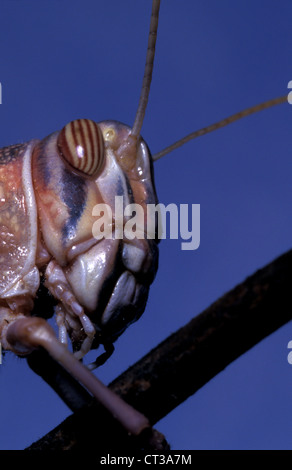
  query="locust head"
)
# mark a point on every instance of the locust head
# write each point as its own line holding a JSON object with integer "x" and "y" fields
{"x": 93, "y": 184}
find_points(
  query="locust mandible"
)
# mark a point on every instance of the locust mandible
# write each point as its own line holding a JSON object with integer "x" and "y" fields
{"x": 49, "y": 190}
{"x": 72, "y": 327}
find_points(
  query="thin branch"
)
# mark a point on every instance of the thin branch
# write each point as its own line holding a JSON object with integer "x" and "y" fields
{"x": 189, "y": 358}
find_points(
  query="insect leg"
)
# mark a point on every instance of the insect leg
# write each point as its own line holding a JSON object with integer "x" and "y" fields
{"x": 67, "y": 387}
{"x": 60, "y": 320}
{"x": 29, "y": 333}
{"x": 58, "y": 285}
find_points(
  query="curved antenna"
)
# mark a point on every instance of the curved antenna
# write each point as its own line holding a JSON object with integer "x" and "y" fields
{"x": 219, "y": 124}
{"x": 148, "y": 69}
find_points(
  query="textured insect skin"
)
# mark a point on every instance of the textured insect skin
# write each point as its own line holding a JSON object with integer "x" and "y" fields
{"x": 99, "y": 286}
{"x": 192, "y": 175}
{"x": 18, "y": 229}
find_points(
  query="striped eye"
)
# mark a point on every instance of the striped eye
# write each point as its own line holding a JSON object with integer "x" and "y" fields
{"x": 81, "y": 145}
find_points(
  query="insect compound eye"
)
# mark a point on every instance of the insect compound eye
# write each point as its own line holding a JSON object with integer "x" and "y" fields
{"x": 81, "y": 145}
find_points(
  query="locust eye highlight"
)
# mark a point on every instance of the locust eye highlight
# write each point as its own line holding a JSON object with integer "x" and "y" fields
{"x": 81, "y": 145}
{"x": 110, "y": 135}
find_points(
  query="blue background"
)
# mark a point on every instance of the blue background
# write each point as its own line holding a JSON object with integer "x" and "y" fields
{"x": 61, "y": 60}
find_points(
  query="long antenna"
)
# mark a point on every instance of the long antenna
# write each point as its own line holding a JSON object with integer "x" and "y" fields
{"x": 148, "y": 69}
{"x": 219, "y": 124}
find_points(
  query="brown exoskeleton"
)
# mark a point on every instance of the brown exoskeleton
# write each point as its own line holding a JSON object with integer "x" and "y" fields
{"x": 63, "y": 322}
{"x": 49, "y": 190}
